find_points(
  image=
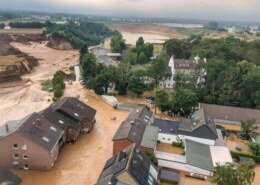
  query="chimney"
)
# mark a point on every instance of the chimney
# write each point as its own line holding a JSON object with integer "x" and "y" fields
{"x": 38, "y": 124}
{"x": 6, "y": 128}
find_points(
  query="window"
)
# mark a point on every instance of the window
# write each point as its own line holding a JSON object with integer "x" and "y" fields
{"x": 46, "y": 139}
{"x": 15, "y": 146}
{"x": 53, "y": 128}
{"x": 25, "y": 156}
{"x": 70, "y": 131}
{"x": 16, "y": 156}
{"x": 26, "y": 166}
{"x": 24, "y": 147}
{"x": 15, "y": 163}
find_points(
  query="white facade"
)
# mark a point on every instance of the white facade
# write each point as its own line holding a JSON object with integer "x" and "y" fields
{"x": 169, "y": 138}
{"x": 178, "y": 162}
{"x": 169, "y": 82}
{"x": 197, "y": 139}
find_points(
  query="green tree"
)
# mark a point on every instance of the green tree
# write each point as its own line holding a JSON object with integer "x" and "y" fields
{"x": 173, "y": 47}
{"x": 58, "y": 79}
{"x": 88, "y": 66}
{"x": 247, "y": 127}
{"x": 136, "y": 82}
{"x": 162, "y": 98}
{"x": 158, "y": 68}
{"x": 122, "y": 88}
{"x": 117, "y": 44}
{"x": 212, "y": 25}
{"x": 130, "y": 57}
{"x": 83, "y": 51}
{"x": 140, "y": 42}
{"x": 255, "y": 147}
{"x": 2, "y": 25}
{"x": 231, "y": 173}
{"x": 142, "y": 59}
{"x": 183, "y": 101}
{"x": 58, "y": 91}
{"x": 250, "y": 89}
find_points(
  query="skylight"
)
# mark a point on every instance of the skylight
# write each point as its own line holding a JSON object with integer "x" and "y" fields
{"x": 53, "y": 128}
{"x": 46, "y": 139}
{"x": 61, "y": 122}
{"x": 76, "y": 114}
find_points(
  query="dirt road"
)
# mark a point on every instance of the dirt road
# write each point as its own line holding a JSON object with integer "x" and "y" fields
{"x": 18, "y": 101}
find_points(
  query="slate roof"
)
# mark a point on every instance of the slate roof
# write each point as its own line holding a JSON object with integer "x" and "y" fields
{"x": 150, "y": 135}
{"x": 133, "y": 160}
{"x": 201, "y": 124}
{"x": 231, "y": 113}
{"x": 59, "y": 119}
{"x": 103, "y": 57}
{"x": 184, "y": 64}
{"x": 169, "y": 175}
{"x": 74, "y": 109}
{"x": 109, "y": 180}
{"x": 198, "y": 155}
{"x": 9, "y": 178}
{"x": 166, "y": 126}
{"x": 134, "y": 128}
{"x": 40, "y": 131}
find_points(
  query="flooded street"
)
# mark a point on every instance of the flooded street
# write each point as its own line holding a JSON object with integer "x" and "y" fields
{"x": 81, "y": 163}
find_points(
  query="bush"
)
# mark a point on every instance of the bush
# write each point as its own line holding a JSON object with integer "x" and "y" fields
{"x": 255, "y": 147}
{"x": 177, "y": 144}
{"x": 255, "y": 158}
{"x": 152, "y": 158}
{"x": 46, "y": 85}
{"x": 2, "y": 25}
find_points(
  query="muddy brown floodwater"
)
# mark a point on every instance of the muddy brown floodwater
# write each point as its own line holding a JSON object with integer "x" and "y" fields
{"x": 19, "y": 100}
{"x": 81, "y": 162}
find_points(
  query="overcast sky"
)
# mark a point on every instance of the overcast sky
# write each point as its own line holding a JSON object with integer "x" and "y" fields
{"x": 244, "y": 10}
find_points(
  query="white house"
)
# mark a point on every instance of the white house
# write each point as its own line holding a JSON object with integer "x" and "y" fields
{"x": 199, "y": 159}
{"x": 181, "y": 65}
{"x": 200, "y": 128}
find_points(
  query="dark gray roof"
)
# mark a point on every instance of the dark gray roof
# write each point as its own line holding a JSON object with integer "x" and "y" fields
{"x": 184, "y": 64}
{"x": 231, "y": 113}
{"x": 133, "y": 160}
{"x": 74, "y": 109}
{"x": 103, "y": 58}
{"x": 41, "y": 131}
{"x": 109, "y": 180}
{"x": 134, "y": 126}
{"x": 169, "y": 175}
{"x": 198, "y": 155}
{"x": 9, "y": 178}
{"x": 59, "y": 119}
{"x": 201, "y": 125}
{"x": 166, "y": 126}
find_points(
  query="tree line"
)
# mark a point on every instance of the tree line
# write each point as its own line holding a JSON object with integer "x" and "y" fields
{"x": 81, "y": 33}
{"x": 27, "y": 25}
{"x": 2, "y": 25}
{"x": 124, "y": 77}
{"x": 230, "y": 76}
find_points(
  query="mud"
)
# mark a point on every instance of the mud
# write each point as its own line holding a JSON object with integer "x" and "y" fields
{"x": 81, "y": 163}
{"x": 18, "y": 101}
